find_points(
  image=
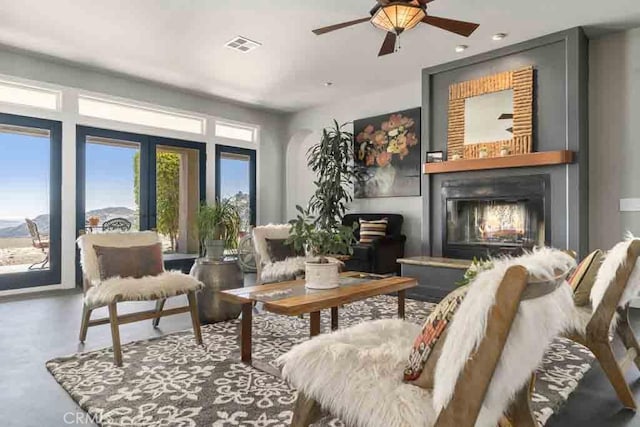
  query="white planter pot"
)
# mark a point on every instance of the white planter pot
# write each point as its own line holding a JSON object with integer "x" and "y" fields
{"x": 321, "y": 276}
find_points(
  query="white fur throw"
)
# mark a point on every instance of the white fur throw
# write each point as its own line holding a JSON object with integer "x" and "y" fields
{"x": 282, "y": 270}
{"x": 264, "y": 232}
{"x": 88, "y": 257}
{"x": 116, "y": 289}
{"x": 613, "y": 260}
{"x": 537, "y": 323}
{"x": 356, "y": 374}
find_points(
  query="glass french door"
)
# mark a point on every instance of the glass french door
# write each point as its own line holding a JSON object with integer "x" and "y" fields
{"x": 30, "y": 201}
{"x": 135, "y": 182}
{"x": 236, "y": 181}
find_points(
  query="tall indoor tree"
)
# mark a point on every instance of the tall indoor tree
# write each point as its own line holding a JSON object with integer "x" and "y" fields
{"x": 332, "y": 161}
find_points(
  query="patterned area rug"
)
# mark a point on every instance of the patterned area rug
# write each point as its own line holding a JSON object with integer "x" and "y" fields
{"x": 169, "y": 381}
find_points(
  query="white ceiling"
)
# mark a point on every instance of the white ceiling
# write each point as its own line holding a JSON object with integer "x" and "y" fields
{"x": 180, "y": 42}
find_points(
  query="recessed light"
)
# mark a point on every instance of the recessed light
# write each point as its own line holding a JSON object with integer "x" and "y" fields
{"x": 461, "y": 48}
{"x": 328, "y": 84}
{"x": 499, "y": 36}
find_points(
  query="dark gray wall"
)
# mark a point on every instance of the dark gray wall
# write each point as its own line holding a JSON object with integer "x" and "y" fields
{"x": 560, "y": 64}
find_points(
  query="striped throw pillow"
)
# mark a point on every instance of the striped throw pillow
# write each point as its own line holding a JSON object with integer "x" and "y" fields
{"x": 373, "y": 230}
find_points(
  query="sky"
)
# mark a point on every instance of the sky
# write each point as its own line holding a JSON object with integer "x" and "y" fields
{"x": 235, "y": 177}
{"x": 24, "y": 176}
{"x": 109, "y": 180}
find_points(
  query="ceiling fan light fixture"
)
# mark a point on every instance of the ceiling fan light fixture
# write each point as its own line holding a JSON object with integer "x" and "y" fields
{"x": 398, "y": 17}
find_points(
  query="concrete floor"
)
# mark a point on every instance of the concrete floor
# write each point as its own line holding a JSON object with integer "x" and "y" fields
{"x": 34, "y": 329}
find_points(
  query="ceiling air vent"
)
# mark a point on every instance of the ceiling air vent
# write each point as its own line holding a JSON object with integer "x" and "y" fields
{"x": 242, "y": 44}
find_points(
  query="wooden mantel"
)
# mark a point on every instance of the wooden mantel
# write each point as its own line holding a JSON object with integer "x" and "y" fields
{"x": 544, "y": 158}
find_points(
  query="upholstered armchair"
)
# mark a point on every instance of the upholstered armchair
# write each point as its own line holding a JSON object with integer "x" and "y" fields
{"x": 380, "y": 255}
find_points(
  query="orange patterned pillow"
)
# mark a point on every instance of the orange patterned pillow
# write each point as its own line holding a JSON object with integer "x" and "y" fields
{"x": 432, "y": 329}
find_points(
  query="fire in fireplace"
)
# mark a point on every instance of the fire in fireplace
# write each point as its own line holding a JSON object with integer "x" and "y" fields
{"x": 496, "y": 216}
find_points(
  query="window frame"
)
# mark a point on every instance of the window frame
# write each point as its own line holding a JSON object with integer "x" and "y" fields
{"x": 51, "y": 276}
{"x": 251, "y": 153}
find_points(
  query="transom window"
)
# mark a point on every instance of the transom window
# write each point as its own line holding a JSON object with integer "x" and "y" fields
{"x": 31, "y": 96}
{"x": 235, "y": 131}
{"x": 140, "y": 115}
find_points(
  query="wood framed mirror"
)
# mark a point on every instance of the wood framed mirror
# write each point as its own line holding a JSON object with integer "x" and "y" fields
{"x": 491, "y": 116}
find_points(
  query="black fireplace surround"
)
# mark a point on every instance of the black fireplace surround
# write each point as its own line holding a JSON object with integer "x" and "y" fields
{"x": 496, "y": 216}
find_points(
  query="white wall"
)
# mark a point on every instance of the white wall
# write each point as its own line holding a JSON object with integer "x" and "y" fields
{"x": 614, "y": 135}
{"x": 72, "y": 79}
{"x": 305, "y": 129}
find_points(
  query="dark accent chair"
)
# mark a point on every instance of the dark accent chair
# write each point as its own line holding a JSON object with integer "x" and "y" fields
{"x": 381, "y": 255}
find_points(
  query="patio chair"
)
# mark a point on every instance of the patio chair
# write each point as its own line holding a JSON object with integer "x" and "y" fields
{"x": 484, "y": 361}
{"x": 122, "y": 286}
{"x": 39, "y": 241}
{"x": 117, "y": 224}
{"x": 616, "y": 283}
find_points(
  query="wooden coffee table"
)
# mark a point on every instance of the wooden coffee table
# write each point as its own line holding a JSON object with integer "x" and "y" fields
{"x": 293, "y": 299}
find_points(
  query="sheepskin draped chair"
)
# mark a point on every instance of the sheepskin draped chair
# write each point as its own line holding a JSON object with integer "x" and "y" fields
{"x": 616, "y": 283}
{"x": 489, "y": 353}
{"x": 269, "y": 271}
{"x": 100, "y": 293}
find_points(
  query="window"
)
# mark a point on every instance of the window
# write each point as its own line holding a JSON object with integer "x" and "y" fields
{"x": 233, "y": 131}
{"x": 30, "y": 172}
{"x": 111, "y": 182}
{"x": 142, "y": 181}
{"x": 139, "y": 115}
{"x": 15, "y": 93}
{"x": 236, "y": 181}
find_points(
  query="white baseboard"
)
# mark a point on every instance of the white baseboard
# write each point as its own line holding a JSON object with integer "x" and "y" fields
{"x": 32, "y": 290}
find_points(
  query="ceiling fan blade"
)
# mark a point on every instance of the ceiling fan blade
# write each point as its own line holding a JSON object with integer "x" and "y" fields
{"x": 505, "y": 116}
{"x": 424, "y": 2}
{"x": 389, "y": 44}
{"x": 459, "y": 27}
{"x": 330, "y": 28}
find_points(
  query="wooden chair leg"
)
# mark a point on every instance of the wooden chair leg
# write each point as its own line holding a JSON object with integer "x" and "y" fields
{"x": 609, "y": 364}
{"x": 159, "y": 306}
{"x": 195, "y": 318}
{"x": 84, "y": 324}
{"x": 115, "y": 334}
{"x": 306, "y": 412}
{"x": 627, "y": 335}
{"x": 520, "y": 413}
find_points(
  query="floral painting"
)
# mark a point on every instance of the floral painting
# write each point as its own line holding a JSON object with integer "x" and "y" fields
{"x": 387, "y": 155}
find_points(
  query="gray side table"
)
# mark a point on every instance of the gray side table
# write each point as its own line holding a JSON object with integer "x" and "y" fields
{"x": 217, "y": 275}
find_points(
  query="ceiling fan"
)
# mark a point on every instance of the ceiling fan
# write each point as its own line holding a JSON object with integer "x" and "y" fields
{"x": 397, "y": 16}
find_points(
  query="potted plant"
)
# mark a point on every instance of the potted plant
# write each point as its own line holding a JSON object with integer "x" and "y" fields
{"x": 218, "y": 227}
{"x": 318, "y": 243}
{"x": 319, "y": 230}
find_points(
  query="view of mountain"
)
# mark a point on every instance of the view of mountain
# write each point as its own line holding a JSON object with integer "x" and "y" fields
{"x": 16, "y": 229}
{"x": 6, "y": 223}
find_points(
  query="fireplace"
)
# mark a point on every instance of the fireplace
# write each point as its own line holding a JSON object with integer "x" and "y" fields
{"x": 492, "y": 217}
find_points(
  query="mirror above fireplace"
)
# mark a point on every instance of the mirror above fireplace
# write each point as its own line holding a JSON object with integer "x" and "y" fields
{"x": 491, "y": 116}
